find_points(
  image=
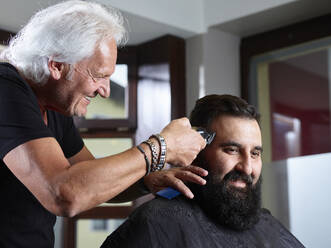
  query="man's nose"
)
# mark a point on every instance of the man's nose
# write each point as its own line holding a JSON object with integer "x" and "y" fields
{"x": 104, "y": 88}
{"x": 245, "y": 164}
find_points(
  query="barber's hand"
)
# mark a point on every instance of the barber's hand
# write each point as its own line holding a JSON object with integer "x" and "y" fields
{"x": 183, "y": 143}
{"x": 175, "y": 178}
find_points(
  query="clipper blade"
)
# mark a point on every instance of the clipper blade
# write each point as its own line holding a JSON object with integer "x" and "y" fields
{"x": 208, "y": 136}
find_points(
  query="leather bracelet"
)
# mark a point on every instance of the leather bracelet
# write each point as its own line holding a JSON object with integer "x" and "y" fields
{"x": 163, "y": 150}
{"x": 148, "y": 164}
{"x": 154, "y": 155}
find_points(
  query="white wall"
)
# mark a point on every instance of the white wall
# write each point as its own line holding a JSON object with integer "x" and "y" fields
{"x": 297, "y": 192}
{"x": 212, "y": 65}
{"x": 221, "y": 60}
{"x": 194, "y": 70}
{"x": 309, "y": 187}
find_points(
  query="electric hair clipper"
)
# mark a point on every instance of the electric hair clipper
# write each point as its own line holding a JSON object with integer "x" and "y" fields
{"x": 208, "y": 136}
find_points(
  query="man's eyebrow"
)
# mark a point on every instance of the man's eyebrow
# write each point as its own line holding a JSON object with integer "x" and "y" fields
{"x": 101, "y": 74}
{"x": 259, "y": 148}
{"x": 230, "y": 143}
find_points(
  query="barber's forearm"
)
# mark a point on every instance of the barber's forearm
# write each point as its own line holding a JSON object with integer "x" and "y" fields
{"x": 89, "y": 183}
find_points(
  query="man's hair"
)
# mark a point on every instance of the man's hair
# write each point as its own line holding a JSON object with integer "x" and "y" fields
{"x": 211, "y": 107}
{"x": 66, "y": 32}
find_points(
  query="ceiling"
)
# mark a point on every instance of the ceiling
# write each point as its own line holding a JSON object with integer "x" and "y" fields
{"x": 15, "y": 13}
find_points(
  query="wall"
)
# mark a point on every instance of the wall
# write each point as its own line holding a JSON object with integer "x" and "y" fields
{"x": 221, "y": 59}
{"x": 297, "y": 193}
{"x": 194, "y": 71}
{"x": 212, "y": 65}
{"x": 309, "y": 199}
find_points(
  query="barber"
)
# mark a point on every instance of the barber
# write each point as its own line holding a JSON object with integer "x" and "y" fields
{"x": 55, "y": 66}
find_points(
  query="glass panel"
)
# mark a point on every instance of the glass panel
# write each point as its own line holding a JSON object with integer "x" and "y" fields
{"x": 115, "y": 106}
{"x": 91, "y": 233}
{"x": 102, "y": 147}
{"x": 154, "y": 86}
{"x": 294, "y": 86}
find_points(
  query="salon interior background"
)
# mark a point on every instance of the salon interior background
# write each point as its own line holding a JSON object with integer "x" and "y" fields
{"x": 295, "y": 187}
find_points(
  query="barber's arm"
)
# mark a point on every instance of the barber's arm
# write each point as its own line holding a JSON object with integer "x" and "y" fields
{"x": 68, "y": 187}
{"x": 174, "y": 177}
{"x": 156, "y": 181}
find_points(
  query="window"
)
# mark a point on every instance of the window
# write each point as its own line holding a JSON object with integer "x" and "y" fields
{"x": 119, "y": 111}
{"x": 287, "y": 74}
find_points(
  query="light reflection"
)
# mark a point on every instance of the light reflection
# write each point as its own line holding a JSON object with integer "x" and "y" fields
{"x": 154, "y": 102}
{"x": 202, "y": 87}
{"x": 289, "y": 130}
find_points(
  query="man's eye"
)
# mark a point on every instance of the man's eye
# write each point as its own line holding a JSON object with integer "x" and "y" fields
{"x": 256, "y": 153}
{"x": 99, "y": 76}
{"x": 231, "y": 150}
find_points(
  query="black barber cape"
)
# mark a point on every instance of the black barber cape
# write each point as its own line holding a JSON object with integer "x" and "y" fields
{"x": 24, "y": 222}
{"x": 180, "y": 223}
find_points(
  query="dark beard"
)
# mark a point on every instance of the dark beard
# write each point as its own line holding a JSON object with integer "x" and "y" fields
{"x": 230, "y": 206}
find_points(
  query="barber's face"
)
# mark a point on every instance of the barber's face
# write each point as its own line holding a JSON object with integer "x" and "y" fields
{"x": 89, "y": 78}
{"x": 237, "y": 146}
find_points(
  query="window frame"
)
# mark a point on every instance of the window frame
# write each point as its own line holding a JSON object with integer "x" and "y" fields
{"x": 283, "y": 37}
{"x": 127, "y": 56}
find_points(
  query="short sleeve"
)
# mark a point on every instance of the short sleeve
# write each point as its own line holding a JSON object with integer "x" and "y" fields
{"x": 20, "y": 118}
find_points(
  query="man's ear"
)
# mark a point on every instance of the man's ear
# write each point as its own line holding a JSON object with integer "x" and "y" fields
{"x": 56, "y": 69}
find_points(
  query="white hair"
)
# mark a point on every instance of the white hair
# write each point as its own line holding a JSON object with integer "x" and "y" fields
{"x": 66, "y": 32}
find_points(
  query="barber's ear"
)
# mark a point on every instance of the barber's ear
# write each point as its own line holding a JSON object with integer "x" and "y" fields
{"x": 56, "y": 69}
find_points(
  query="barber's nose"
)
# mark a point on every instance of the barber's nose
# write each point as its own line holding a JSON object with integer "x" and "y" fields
{"x": 245, "y": 164}
{"x": 104, "y": 88}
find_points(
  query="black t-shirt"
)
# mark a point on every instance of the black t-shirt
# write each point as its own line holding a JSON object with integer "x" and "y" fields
{"x": 180, "y": 222}
{"x": 24, "y": 221}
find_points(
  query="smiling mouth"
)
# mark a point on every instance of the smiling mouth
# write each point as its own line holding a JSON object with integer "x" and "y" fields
{"x": 88, "y": 98}
{"x": 238, "y": 183}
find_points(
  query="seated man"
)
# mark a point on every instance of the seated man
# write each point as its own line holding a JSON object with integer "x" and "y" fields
{"x": 226, "y": 212}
